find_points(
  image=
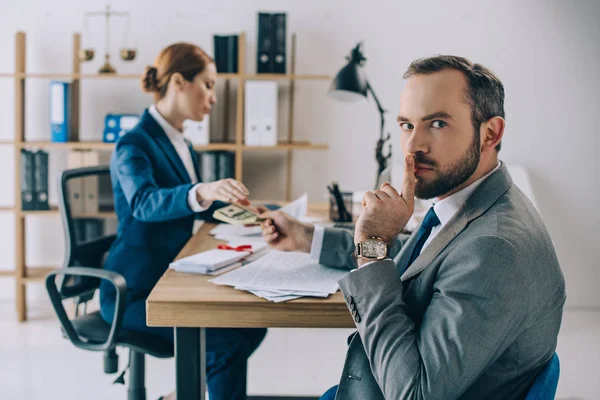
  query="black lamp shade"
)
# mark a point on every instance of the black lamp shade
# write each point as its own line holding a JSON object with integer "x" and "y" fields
{"x": 350, "y": 84}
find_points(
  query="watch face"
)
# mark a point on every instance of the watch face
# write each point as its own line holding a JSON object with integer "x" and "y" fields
{"x": 374, "y": 248}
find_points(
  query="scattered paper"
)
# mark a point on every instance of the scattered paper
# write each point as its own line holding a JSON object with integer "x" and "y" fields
{"x": 280, "y": 274}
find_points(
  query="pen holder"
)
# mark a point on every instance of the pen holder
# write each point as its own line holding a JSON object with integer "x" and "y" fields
{"x": 334, "y": 214}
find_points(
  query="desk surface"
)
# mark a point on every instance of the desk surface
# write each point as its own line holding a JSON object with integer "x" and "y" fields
{"x": 188, "y": 300}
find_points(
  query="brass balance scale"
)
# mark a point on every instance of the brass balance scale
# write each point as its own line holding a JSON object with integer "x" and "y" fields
{"x": 126, "y": 53}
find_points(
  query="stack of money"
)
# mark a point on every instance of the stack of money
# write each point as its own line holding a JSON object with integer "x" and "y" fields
{"x": 237, "y": 215}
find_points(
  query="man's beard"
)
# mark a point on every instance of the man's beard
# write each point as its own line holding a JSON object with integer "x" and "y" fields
{"x": 450, "y": 176}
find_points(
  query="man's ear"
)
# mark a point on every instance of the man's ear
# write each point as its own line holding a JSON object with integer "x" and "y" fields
{"x": 492, "y": 132}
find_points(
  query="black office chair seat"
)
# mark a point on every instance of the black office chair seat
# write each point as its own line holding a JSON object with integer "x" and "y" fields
{"x": 93, "y": 328}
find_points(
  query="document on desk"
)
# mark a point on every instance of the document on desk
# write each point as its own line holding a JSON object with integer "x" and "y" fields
{"x": 279, "y": 276}
{"x": 297, "y": 208}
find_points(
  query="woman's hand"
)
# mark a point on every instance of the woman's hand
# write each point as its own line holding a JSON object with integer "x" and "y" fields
{"x": 227, "y": 190}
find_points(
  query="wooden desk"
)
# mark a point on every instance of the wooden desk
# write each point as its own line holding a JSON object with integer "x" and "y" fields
{"x": 190, "y": 303}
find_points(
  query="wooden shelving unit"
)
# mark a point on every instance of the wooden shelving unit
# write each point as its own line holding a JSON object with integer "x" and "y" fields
{"x": 24, "y": 274}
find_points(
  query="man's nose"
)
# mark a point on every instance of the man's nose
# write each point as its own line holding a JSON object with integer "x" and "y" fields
{"x": 417, "y": 141}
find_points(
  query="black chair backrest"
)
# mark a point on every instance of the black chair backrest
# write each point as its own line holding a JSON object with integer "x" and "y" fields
{"x": 86, "y": 243}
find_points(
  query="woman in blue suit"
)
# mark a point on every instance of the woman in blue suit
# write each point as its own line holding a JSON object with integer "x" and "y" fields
{"x": 158, "y": 195}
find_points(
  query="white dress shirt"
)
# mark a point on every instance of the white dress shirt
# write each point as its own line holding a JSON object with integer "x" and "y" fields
{"x": 181, "y": 146}
{"x": 444, "y": 209}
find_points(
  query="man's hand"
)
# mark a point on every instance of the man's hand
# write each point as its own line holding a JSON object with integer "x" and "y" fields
{"x": 385, "y": 211}
{"x": 227, "y": 190}
{"x": 284, "y": 233}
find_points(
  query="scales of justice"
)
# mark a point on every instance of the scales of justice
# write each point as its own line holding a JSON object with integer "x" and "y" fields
{"x": 126, "y": 53}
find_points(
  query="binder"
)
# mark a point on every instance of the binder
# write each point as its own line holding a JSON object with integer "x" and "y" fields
{"x": 279, "y": 43}
{"x": 264, "y": 47}
{"x": 260, "y": 109}
{"x": 209, "y": 168}
{"x": 90, "y": 183}
{"x": 226, "y": 53}
{"x": 40, "y": 180}
{"x": 117, "y": 125}
{"x": 197, "y": 132}
{"x": 75, "y": 188}
{"x": 226, "y": 164}
{"x": 60, "y": 111}
{"x": 27, "y": 179}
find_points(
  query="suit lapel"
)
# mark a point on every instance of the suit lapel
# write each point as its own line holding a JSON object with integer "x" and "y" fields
{"x": 402, "y": 258}
{"x": 165, "y": 144}
{"x": 478, "y": 203}
{"x": 442, "y": 239}
{"x": 195, "y": 160}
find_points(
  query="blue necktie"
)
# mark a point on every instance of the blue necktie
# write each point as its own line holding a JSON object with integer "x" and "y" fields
{"x": 429, "y": 222}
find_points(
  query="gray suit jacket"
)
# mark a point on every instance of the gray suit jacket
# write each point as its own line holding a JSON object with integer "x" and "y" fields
{"x": 476, "y": 316}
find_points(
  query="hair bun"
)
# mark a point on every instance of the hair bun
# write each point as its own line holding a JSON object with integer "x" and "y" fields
{"x": 149, "y": 82}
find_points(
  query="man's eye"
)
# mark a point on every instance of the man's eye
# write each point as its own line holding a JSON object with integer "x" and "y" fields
{"x": 406, "y": 126}
{"x": 438, "y": 124}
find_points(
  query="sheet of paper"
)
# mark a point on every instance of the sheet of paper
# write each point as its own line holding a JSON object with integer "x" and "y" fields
{"x": 274, "y": 299}
{"x": 284, "y": 271}
{"x": 226, "y": 230}
{"x": 297, "y": 208}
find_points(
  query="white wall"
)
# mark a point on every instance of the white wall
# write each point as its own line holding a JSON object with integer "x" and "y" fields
{"x": 546, "y": 53}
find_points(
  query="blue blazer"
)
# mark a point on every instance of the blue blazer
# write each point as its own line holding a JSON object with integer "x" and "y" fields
{"x": 150, "y": 188}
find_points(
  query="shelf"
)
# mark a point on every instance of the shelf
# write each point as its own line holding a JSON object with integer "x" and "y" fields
{"x": 55, "y": 212}
{"x": 294, "y": 77}
{"x": 41, "y": 213}
{"x": 37, "y": 274}
{"x": 288, "y": 146}
{"x": 7, "y": 273}
{"x": 216, "y": 146}
{"x": 111, "y": 146}
{"x": 69, "y": 145}
{"x": 6, "y": 208}
{"x": 7, "y": 142}
{"x": 90, "y": 76}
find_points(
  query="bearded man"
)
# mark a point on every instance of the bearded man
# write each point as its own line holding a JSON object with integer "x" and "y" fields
{"x": 468, "y": 307}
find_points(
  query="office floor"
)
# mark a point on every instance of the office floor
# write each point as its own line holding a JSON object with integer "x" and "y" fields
{"x": 37, "y": 363}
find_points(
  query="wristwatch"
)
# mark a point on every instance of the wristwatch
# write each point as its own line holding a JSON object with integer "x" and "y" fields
{"x": 373, "y": 248}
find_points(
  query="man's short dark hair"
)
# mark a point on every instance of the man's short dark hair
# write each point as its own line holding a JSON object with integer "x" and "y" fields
{"x": 485, "y": 92}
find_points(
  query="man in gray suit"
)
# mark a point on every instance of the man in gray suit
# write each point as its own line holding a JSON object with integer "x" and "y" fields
{"x": 470, "y": 305}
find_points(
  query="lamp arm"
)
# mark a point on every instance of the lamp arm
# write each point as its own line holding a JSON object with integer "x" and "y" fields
{"x": 379, "y": 107}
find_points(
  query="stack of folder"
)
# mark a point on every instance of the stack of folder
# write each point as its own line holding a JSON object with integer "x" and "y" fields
{"x": 220, "y": 260}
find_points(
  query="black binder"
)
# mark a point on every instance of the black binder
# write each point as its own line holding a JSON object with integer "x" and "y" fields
{"x": 40, "y": 180}
{"x": 264, "y": 46}
{"x": 209, "y": 167}
{"x": 226, "y": 53}
{"x": 226, "y": 164}
{"x": 27, "y": 179}
{"x": 279, "y": 43}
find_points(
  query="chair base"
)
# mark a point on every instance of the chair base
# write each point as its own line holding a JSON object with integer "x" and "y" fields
{"x": 137, "y": 376}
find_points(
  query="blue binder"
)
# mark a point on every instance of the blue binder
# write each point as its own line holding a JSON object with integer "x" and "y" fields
{"x": 60, "y": 111}
{"x": 116, "y": 125}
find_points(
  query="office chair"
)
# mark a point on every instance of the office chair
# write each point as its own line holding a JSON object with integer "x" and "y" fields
{"x": 543, "y": 388}
{"x": 80, "y": 278}
{"x": 545, "y": 383}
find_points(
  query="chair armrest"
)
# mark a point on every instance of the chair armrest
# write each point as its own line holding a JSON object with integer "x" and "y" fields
{"x": 117, "y": 280}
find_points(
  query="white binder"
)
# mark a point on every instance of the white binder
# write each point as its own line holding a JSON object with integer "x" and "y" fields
{"x": 198, "y": 132}
{"x": 260, "y": 113}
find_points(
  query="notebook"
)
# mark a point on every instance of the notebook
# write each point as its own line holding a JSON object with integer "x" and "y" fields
{"x": 208, "y": 261}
